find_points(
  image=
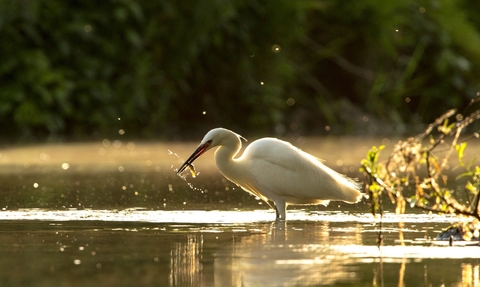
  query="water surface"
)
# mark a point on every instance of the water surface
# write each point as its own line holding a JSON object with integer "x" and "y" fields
{"x": 227, "y": 248}
{"x": 117, "y": 215}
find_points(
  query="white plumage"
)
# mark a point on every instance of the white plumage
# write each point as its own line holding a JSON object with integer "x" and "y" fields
{"x": 276, "y": 170}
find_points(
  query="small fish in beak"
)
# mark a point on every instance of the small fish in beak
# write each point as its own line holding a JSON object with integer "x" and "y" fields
{"x": 191, "y": 167}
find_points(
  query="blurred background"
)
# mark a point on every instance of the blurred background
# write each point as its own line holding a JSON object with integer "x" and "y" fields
{"x": 171, "y": 70}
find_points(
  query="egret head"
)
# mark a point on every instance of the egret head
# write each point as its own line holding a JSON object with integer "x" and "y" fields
{"x": 213, "y": 138}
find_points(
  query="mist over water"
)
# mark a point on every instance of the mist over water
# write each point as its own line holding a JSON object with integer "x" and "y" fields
{"x": 125, "y": 218}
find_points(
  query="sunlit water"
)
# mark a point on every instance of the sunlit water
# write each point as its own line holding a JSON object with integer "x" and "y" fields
{"x": 141, "y": 225}
{"x": 228, "y": 248}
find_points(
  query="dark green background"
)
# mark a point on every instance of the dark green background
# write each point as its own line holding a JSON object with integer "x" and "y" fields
{"x": 70, "y": 69}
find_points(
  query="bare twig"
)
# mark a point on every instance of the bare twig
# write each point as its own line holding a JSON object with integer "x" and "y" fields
{"x": 436, "y": 123}
{"x": 403, "y": 163}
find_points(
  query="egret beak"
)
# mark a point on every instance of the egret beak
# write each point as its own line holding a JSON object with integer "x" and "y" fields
{"x": 198, "y": 152}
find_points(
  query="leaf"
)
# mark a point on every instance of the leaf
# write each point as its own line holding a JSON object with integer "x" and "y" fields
{"x": 423, "y": 201}
{"x": 470, "y": 187}
{"x": 413, "y": 201}
{"x": 465, "y": 174}
{"x": 460, "y": 148}
{"x": 444, "y": 128}
{"x": 470, "y": 163}
{"x": 447, "y": 193}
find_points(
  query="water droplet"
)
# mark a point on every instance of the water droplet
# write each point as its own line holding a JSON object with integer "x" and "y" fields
{"x": 77, "y": 261}
{"x": 44, "y": 156}
{"x": 35, "y": 185}
{"x": 276, "y": 48}
{"x": 106, "y": 143}
{"x": 131, "y": 145}
{"x": 121, "y": 132}
{"x": 121, "y": 169}
{"x": 65, "y": 166}
{"x": 290, "y": 101}
{"x": 87, "y": 28}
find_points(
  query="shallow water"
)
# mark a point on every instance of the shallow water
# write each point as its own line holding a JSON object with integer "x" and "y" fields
{"x": 124, "y": 224}
{"x": 227, "y": 248}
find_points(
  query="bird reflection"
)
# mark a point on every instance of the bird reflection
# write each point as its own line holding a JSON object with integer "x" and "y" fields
{"x": 306, "y": 254}
{"x": 278, "y": 232}
{"x": 286, "y": 255}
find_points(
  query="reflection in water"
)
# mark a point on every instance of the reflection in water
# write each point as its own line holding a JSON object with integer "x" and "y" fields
{"x": 122, "y": 220}
{"x": 470, "y": 276}
{"x": 310, "y": 254}
{"x": 278, "y": 256}
{"x": 126, "y": 248}
{"x": 185, "y": 268}
{"x": 401, "y": 272}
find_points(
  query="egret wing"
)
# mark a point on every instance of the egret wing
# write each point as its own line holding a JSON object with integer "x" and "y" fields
{"x": 278, "y": 169}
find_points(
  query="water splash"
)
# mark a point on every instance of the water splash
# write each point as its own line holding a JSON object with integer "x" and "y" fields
{"x": 191, "y": 167}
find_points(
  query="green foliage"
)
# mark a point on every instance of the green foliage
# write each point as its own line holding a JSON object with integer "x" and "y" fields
{"x": 72, "y": 68}
{"x": 371, "y": 162}
{"x": 396, "y": 58}
{"x": 413, "y": 174}
{"x": 370, "y": 165}
{"x": 75, "y": 67}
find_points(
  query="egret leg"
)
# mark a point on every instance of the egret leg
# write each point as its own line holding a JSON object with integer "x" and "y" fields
{"x": 280, "y": 208}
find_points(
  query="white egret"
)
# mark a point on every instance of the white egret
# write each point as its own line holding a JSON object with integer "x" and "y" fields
{"x": 276, "y": 170}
